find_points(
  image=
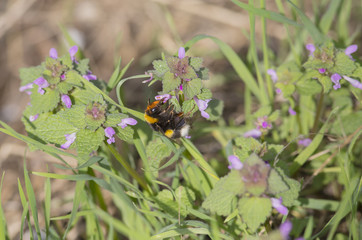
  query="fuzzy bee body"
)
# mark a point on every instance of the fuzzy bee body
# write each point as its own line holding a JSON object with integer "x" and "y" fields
{"x": 166, "y": 120}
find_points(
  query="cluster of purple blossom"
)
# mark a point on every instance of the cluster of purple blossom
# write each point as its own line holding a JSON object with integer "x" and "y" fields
{"x": 277, "y": 203}
{"x": 42, "y": 83}
{"x": 336, "y": 77}
{"x": 236, "y": 164}
{"x": 201, "y": 104}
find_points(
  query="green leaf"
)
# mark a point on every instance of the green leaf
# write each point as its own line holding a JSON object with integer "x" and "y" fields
{"x": 28, "y": 75}
{"x": 254, "y": 211}
{"x": 247, "y": 146}
{"x": 189, "y": 107}
{"x": 326, "y": 83}
{"x": 82, "y": 66}
{"x": 176, "y": 104}
{"x": 196, "y": 63}
{"x": 276, "y": 183}
{"x": 192, "y": 88}
{"x": 292, "y": 193}
{"x": 184, "y": 199}
{"x": 64, "y": 87}
{"x": 156, "y": 151}
{"x": 203, "y": 73}
{"x": 170, "y": 82}
{"x": 44, "y": 103}
{"x": 54, "y": 128}
{"x": 125, "y": 134}
{"x": 287, "y": 89}
{"x": 113, "y": 119}
{"x": 205, "y": 94}
{"x": 82, "y": 96}
{"x": 72, "y": 77}
{"x": 343, "y": 64}
{"x": 75, "y": 116}
{"x": 160, "y": 67}
{"x": 215, "y": 109}
{"x": 348, "y": 124}
{"x": 66, "y": 60}
{"x": 88, "y": 141}
{"x": 308, "y": 87}
{"x": 273, "y": 150}
{"x": 222, "y": 199}
{"x": 263, "y": 111}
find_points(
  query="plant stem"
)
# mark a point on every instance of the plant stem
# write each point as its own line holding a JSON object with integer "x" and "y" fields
{"x": 128, "y": 168}
{"x": 318, "y": 113}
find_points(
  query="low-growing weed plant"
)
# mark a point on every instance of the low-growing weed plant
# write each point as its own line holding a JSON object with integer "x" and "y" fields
{"x": 302, "y": 132}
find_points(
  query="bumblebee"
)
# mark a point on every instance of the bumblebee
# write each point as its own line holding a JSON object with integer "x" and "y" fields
{"x": 164, "y": 119}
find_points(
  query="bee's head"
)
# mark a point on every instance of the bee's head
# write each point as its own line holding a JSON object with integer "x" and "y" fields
{"x": 154, "y": 107}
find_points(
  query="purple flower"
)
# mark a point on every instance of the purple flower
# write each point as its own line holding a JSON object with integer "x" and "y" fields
{"x": 163, "y": 97}
{"x": 150, "y": 79}
{"x": 181, "y": 52}
{"x": 62, "y": 77}
{"x": 351, "y": 49}
{"x": 322, "y": 70}
{"x": 89, "y": 76}
{"x": 273, "y": 75}
{"x": 202, "y": 105}
{"x": 127, "y": 121}
{"x": 70, "y": 139}
{"x": 285, "y": 229}
{"x": 235, "y": 162}
{"x": 53, "y": 53}
{"x": 277, "y": 204}
{"x": 291, "y": 111}
{"x": 66, "y": 100}
{"x": 72, "y": 51}
{"x": 278, "y": 91}
{"x": 254, "y": 133}
{"x": 26, "y": 87}
{"x": 355, "y": 83}
{"x": 335, "y": 79}
{"x": 311, "y": 48}
{"x": 305, "y": 142}
{"x": 33, "y": 118}
{"x": 42, "y": 83}
{"x": 109, "y": 132}
{"x": 181, "y": 87}
{"x": 262, "y": 123}
{"x": 300, "y": 238}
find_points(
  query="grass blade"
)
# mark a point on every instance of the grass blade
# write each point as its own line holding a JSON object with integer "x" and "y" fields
{"x": 25, "y": 214}
{"x": 200, "y": 159}
{"x": 314, "y": 32}
{"x": 47, "y": 200}
{"x": 308, "y": 151}
{"x": 3, "y": 230}
{"x": 77, "y": 197}
{"x": 265, "y": 13}
{"x": 32, "y": 200}
{"x": 329, "y": 16}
